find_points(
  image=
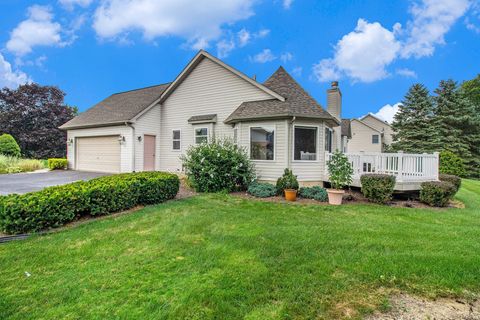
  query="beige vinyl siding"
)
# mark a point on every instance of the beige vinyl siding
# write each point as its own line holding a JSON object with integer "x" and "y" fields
{"x": 380, "y": 126}
{"x": 362, "y": 138}
{"x": 98, "y": 154}
{"x": 147, "y": 124}
{"x": 209, "y": 89}
{"x": 126, "y": 153}
{"x": 268, "y": 169}
{"x": 309, "y": 170}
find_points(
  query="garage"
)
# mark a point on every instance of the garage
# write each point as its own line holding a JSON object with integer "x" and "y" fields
{"x": 98, "y": 154}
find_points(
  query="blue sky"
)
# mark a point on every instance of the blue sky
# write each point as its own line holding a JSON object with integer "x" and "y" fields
{"x": 376, "y": 49}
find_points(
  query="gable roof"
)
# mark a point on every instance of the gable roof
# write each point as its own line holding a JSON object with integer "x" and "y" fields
{"x": 297, "y": 103}
{"x": 346, "y": 128}
{"x": 376, "y": 118}
{"x": 202, "y": 54}
{"x": 366, "y": 125}
{"x": 119, "y": 108}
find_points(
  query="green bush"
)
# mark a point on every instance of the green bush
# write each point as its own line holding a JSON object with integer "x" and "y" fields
{"x": 55, "y": 206}
{"x": 287, "y": 181}
{"x": 219, "y": 165}
{"x": 451, "y": 164}
{"x": 8, "y": 146}
{"x": 10, "y": 164}
{"x": 316, "y": 192}
{"x": 378, "y": 187}
{"x": 437, "y": 193}
{"x": 57, "y": 163}
{"x": 262, "y": 190}
{"x": 456, "y": 181}
{"x": 340, "y": 170}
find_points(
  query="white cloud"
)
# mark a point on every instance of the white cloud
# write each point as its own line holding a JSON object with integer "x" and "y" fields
{"x": 224, "y": 47}
{"x": 243, "y": 37}
{"x": 362, "y": 54}
{"x": 70, "y": 4}
{"x": 265, "y": 56}
{"x": 297, "y": 71}
{"x": 199, "y": 22}
{"x": 286, "y": 56}
{"x": 262, "y": 33}
{"x": 10, "y": 78}
{"x": 405, "y": 72}
{"x": 37, "y": 30}
{"x": 431, "y": 21}
{"x": 287, "y": 4}
{"x": 387, "y": 112}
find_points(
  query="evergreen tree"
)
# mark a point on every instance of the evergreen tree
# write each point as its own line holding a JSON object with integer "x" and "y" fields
{"x": 413, "y": 124}
{"x": 471, "y": 89}
{"x": 456, "y": 122}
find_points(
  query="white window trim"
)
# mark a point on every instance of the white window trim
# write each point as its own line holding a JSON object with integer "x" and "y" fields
{"x": 378, "y": 138}
{"x": 270, "y": 127}
{"x": 180, "y": 140}
{"x": 235, "y": 135}
{"x": 195, "y": 128}
{"x": 317, "y": 144}
{"x": 325, "y": 142}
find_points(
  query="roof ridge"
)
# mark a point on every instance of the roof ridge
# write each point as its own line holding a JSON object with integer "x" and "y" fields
{"x": 152, "y": 86}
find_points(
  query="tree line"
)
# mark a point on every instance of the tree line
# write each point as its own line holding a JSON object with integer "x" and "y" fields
{"x": 32, "y": 114}
{"x": 448, "y": 120}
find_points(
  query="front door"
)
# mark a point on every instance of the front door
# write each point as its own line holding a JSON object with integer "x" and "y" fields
{"x": 149, "y": 153}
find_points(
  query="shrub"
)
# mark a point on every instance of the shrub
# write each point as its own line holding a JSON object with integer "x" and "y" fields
{"x": 27, "y": 165}
{"x": 8, "y": 146}
{"x": 436, "y": 193}
{"x": 456, "y": 181}
{"x": 316, "y": 192}
{"x": 378, "y": 187}
{"x": 451, "y": 164}
{"x": 287, "y": 181}
{"x": 10, "y": 164}
{"x": 219, "y": 165}
{"x": 340, "y": 170}
{"x": 262, "y": 190}
{"x": 57, "y": 163}
{"x": 55, "y": 206}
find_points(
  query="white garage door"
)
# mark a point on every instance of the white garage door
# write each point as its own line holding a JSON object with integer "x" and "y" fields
{"x": 98, "y": 154}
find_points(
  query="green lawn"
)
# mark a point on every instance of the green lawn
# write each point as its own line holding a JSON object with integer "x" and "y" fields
{"x": 220, "y": 257}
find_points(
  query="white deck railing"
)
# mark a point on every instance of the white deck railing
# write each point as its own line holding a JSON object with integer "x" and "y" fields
{"x": 405, "y": 167}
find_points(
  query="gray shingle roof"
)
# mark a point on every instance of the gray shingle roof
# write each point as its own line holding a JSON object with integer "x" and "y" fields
{"x": 346, "y": 128}
{"x": 297, "y": 102}
{"x": 203, "y": 117}
{"x": 118, "y": 108}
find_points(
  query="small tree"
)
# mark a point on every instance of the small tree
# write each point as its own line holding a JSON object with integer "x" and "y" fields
{"x": 452, "y": 164}
{"x": 8, "y": 146}
{"x": 340, "y": 170}
{"x": 287, "y": 181}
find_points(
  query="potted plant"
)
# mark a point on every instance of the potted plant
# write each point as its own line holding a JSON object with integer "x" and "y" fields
{"x": 340, "y": 171}
{"x": 287, "y": 185}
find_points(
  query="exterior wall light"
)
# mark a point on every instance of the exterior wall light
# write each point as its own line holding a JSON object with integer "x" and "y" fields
{"x": 121, "y": 139}
{"x": 139, "y": 138}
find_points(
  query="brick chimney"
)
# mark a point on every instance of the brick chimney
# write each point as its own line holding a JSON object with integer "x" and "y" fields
{"x": 334, "y": 100}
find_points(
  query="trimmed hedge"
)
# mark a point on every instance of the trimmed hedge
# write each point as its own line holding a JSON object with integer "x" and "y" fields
{"x": 452, "y": 164}
{"x": 316, "y": 192}
{"x": 378, "y": 187}
{"x": 57, "y": 163}
{"x": 437, "y": 193}
{"x": 262, "y": 190}
{"x": 55, "y": 206}
{"x": 9, "y": 146}
{"x": 456, "y": 181}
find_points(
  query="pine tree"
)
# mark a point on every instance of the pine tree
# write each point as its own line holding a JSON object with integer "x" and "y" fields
{"x": 455, "y": 119}
{"x": 413, "y": 124}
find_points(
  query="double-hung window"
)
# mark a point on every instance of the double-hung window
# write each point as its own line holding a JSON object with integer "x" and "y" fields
{"x": 375, "y": 139}
{"x": 262, "y": 143}
{"x": 328, "y": 139}
{"x": 201, "y": 135}
{"x": 305, "y": 143}
{"x": 176, "y": 139}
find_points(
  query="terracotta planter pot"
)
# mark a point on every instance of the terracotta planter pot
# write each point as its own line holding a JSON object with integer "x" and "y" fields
{"x": 290, "y": 194}
{"x": 335, "y": 196}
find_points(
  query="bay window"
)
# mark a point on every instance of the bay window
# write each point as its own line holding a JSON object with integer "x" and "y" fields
{"x": 305, "y": 143}
{"x": 262, "y": 143}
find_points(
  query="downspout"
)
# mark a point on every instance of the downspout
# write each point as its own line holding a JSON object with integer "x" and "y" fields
{"x": 290, "y": 142}
{"x": 133, "y": 144}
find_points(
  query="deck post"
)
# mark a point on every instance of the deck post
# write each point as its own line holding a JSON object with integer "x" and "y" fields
{"x": 400, "y": 166}
{"x": 436, "y": 168}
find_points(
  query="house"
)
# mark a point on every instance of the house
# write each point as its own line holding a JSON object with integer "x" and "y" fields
{"x": 367, "y": 134}
{"x": 277, "y": 122}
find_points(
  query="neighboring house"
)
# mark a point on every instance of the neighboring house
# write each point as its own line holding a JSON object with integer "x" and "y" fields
{"x": 278, "y": 122}
{"x": 367, "y": 134}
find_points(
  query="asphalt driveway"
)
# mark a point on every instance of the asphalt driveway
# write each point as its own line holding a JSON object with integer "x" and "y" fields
{"x": 26, "y": 182}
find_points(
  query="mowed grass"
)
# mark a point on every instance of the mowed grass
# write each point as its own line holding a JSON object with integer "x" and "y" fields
{"x": 220, "y": 257}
